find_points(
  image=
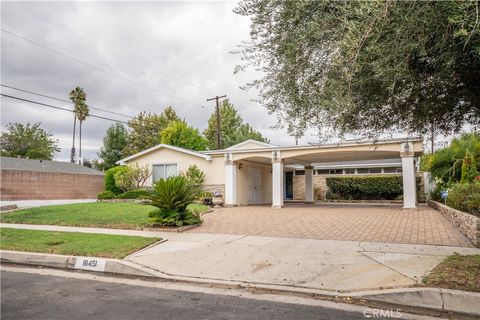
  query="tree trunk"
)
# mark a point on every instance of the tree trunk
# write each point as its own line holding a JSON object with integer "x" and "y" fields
{"x": 432, "y": 137}
{"x": 80, "y": 147}
{"x": 72, "y": 154}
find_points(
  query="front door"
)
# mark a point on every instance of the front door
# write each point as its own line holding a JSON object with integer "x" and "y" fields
{"x": 288, "y": 185}
{"x": 254, "y": 186}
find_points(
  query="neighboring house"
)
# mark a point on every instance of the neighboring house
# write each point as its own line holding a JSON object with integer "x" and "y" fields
{"x": 253, "y": 172}
{"x": 25, "y": 179}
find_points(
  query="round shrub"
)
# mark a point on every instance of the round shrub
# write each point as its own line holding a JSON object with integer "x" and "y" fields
{"x": 110, "y": 179}
{"x": 105, "y": 195}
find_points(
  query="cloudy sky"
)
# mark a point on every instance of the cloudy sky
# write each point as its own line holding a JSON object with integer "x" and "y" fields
{"x": 129, "y": 57}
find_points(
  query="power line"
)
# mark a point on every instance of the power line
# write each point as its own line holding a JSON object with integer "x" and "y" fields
{"x": 63, "y": 100}
{"x": 59, "y": 108}
{"x": 65, "y": 28}
{"x": 94, "y": 67}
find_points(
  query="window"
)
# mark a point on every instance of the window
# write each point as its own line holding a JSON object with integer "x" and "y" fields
{"x": 336, "y": 171}
{"x": 363, "y": 171}
{"x": 349, "y": 171}
{"x": 375, "y": 170}
{"x": 163, "y": 171}
{"x": 369, "y": 170}
{"x": 299, "y": 172}
{"x": 322, "y": 171}
{"x": 392, "y": 170}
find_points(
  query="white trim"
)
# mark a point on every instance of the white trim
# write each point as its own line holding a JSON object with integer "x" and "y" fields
{"x": 231, "y": 184}
{"x": 319, "y": 146}
{"x": 166, "y": 146}
{"x": 260, "y": 143}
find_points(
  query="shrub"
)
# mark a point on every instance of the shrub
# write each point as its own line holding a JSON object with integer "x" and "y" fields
{"x": 172, "y": 196}
{"x": 469, "y": 168}
{"x": 174, "y": 218}
{"x": 133, "y": 177}
{"x": 134, "y": 194}
{"x": 174, "y": 193}
{"x": 195, "y": 175}
{"x": 465, "y": 197}
{"x": 365, "y": 188}
{"x": 105, "y": 195}
{"x": 109, "y": 179}
{"x": 446, "y": 163}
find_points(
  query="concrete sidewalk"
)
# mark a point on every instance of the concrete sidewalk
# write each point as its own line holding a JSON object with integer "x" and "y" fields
{"x": 327, "y": 265}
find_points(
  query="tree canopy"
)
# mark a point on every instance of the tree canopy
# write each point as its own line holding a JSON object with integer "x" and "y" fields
{"x": 232, "y": 128}
{"x": 366, "y": 67}
{"x": 28, "y": 141}
{"x": 145, "y": 130}
{"x": 179, "y": 134}
{"x": 114, "y": 142}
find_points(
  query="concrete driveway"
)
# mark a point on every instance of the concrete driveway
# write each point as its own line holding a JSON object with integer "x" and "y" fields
{"x": 347, "y": 222}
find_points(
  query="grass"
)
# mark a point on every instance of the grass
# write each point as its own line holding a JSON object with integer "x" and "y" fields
{"x": 456, "y": 272}
{"x": 72, "y": 243}
{"x": 117, "y": 215}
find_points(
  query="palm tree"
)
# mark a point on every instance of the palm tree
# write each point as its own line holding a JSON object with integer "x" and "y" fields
{"x": 82, "y": 112}
{"x": 78, "y": 97}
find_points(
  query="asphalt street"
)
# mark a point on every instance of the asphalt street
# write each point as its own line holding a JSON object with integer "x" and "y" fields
{"x": 34, "y": 296}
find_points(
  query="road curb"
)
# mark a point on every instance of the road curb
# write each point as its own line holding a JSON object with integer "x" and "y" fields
{"x": 445, "y": 300}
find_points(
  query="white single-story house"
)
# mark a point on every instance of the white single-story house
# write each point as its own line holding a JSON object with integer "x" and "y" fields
{"x": 254, "y": 172}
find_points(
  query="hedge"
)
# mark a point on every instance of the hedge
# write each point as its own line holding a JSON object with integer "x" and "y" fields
{"x": 365, "y": 188}
{"x": 132, "y": 194}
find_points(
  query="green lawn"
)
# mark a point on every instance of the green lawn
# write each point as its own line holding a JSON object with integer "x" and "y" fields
{"x": 72, "y": 243}
{"x": 456, "y": 272}
{"x": 118, "y": 215}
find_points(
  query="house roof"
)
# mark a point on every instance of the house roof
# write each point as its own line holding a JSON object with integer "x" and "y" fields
{"x": 165, "y": 146}
{"x": 270, "y": 147}
{"x": 255, "y": 142}
{"x": 9, "y": 163}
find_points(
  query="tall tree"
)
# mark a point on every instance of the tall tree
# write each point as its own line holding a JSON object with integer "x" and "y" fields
{"x": 78, "y": 97}
{"x": 366, "y": 66}
{"x": 179, "y": 134}
{"x": 145, "y": 130}
{"x": 28, "y": 141}
{"x": 114, "y": 142}
{"x": 232, "y": 128}
{"x": 82, "y": 112}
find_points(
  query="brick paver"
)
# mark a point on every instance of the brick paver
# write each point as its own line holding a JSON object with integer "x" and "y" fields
{"x": 356, "y": 222}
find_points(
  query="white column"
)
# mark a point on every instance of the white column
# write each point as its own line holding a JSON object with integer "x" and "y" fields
{"x": 230, "y": 183}
{"x": 277, "y": 183}
{"x": 409, "y": 177}
{"x": 308, "y": 184}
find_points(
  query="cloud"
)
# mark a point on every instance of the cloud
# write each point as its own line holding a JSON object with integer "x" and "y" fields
{"x": 172, "y": 53}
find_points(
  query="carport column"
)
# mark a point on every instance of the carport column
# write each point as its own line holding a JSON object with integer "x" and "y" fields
{"x": 277, "y": 180}
{"x": 308, "y": 184}
{"x": 408, "y": 173}
{"x": 230, "y": 181}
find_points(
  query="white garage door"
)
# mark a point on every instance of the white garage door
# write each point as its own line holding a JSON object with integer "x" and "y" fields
{"x": 254, "y": 186}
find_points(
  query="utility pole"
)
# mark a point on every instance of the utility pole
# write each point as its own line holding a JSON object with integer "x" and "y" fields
{"x": 217, "y": 98}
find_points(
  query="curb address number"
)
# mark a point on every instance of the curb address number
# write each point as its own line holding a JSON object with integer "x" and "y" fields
{"x": 89, "y": 264}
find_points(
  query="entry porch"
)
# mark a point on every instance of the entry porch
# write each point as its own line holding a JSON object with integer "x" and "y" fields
{"x": 261, "y": 176}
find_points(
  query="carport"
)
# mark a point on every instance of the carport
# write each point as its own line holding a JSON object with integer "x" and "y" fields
{"x": 267, "y": 185}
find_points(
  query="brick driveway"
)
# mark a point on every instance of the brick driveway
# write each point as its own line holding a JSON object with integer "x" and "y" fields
{"x": 355, "y": 222}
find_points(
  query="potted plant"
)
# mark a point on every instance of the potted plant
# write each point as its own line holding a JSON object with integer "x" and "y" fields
{"x": 217, "y": 199}
{"x": 207, "y": 198}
